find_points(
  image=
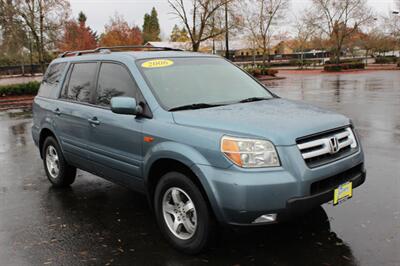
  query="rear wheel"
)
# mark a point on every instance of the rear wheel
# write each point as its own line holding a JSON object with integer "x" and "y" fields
{"x": 58, "y": 171}
{"x": 183, "y": 213}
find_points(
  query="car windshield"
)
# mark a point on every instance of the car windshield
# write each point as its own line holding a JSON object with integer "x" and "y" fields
{"x": 178, "y": 82}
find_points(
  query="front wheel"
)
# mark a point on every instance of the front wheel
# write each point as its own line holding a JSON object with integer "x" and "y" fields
{"x": 182, "y": 213}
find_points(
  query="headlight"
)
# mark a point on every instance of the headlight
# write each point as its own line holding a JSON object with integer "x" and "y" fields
{"x": 250, "y": 153}
{"x": 352, "y": 137}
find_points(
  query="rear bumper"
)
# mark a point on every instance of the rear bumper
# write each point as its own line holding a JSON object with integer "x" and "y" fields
{"x": 35, "y": 135}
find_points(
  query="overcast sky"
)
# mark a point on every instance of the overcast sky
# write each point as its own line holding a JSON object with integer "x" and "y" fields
{"x": 99, "y": 11}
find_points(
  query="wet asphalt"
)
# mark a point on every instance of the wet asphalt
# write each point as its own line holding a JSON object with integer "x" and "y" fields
{"x": 98, "y": 223}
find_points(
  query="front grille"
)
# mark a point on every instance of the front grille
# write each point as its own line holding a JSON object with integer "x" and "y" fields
{"x": 336, "y": 180}
{"x": 327, "y": 147}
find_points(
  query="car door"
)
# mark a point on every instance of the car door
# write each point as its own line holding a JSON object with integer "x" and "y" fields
{"x": 116, "y": 141}
{"x": 74, "y": 111}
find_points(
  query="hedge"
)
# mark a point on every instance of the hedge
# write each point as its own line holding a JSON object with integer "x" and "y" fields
{"x": 344, "y": 66}
{"x": 30, "y": 88}
{"x": 259, "y": 71}
{"x": 346, "y": 61}
{"x": 386, "y": 60}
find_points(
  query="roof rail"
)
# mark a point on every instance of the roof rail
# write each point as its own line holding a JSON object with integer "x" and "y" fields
{"x": 117, "y": 48}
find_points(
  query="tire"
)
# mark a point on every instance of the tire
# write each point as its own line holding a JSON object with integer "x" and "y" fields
{"x": 199, "y": 219}
{"x": 58, "y": 171}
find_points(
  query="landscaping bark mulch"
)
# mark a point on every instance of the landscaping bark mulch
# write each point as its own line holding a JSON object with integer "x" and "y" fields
{"x": 14, "y": 102}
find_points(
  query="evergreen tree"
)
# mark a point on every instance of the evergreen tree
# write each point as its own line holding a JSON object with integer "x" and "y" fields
{"x": 184, "y": 35}
{"x": 151, "y": 27}
{"x": 82, "y": 18}
{"x": 179, "y": 35}
{"x": 175, "y": 34}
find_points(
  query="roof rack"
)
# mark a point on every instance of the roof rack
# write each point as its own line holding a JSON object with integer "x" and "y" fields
{"x": 117, "y": 48}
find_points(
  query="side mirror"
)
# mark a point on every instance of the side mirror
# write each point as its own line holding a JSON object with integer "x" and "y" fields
{"x": 125, "y": 106}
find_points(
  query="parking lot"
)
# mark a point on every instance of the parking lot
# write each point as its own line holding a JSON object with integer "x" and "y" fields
{"x": 98, "y": 223}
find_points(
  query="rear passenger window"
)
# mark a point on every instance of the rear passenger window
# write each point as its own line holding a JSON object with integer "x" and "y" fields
{"x": 81, "y": 82}
{"x": 51, "y": 79}
{"x": 114, "y": 80}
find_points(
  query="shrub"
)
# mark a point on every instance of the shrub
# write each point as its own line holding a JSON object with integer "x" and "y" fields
{"x": 260, "y": 70}
{"x": 343, "y": 66}
{"x": 386, "y": 60}
{"x": 345, "y": 61}
{"x": 332, "y": 68}
{"x": 30, "y": 88}
{"x": 306, "y": 63}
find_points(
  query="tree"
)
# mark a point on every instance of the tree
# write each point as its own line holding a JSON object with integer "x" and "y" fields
{"x": 304, "y": 31}
{"x": 44, "y": 20}
{"x": 179, "y": 35}
{"x": 260, "y": 17}
{"x": 339, "y": 19}
{"x": 12, "y": 32}
{"x": 151, "y": 27}
{"x": 77, "y": 36}
{"x": 198, "y": 17}
{"x": 118, "y": 32}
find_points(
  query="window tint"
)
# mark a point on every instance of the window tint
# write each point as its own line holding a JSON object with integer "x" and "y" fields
{"x": 200, "y": 80}
{"x": 114, "y": 80}
{"x": 51, "y": 79}
{"x": 80, "y": 82}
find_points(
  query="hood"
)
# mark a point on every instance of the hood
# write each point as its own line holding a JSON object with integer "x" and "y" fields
{"x": 278, "y": 120}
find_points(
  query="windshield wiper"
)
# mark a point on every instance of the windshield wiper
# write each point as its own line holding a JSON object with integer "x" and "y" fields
{"x": 254, "y": 99}
{"x": 194, "y": 106}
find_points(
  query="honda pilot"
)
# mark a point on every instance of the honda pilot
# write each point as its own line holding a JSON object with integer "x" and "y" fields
{"x": 206, "y": 143}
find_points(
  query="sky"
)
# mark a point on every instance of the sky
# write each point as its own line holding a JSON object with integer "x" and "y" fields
{"x": 99, "y": 12}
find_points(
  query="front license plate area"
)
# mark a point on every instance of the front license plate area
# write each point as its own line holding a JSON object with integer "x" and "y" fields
{"x": 342, "y": 193}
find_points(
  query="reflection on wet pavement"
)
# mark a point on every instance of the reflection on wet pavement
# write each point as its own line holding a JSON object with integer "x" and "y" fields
{"x": 98, "y": 223}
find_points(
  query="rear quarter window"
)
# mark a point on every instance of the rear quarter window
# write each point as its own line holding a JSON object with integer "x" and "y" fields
{"x": 51, "y": 79}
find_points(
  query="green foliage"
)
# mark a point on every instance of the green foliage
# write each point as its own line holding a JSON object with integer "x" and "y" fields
{"x": 179, "y": 35}
{"x": 343, "y": 66}
{"x": 305, "y": 63}
{"x": 82, "y": 18}
{"x": 260, "y": 71}
{"x": 386, "y": 60}
{"x": 345, "y": 61}
{"x": 30, "y": 88}
{"x": 151, "y": 27}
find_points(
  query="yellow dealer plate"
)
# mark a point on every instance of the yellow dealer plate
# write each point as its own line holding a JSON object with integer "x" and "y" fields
{"x": 343, "y": 192}
{"x": 157, "y": 63}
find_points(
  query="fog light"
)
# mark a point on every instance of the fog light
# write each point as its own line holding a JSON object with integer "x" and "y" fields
{"x": 266, "y": 218}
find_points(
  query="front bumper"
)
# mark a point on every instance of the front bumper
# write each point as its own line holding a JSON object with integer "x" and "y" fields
{"x": 239, "y": 196}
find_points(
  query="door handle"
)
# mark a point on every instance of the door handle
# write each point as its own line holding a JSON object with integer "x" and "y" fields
{"x": 94, "y": 121}
{"x": 57, "y": 111}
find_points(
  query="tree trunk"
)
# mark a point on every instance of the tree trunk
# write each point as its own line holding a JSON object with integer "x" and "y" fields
{"x": 337, "y": 55}
{"x": 196, "y": 46}
{"x": 41, "y": 29}
{"x": 263, "y": 57}
{"x": 302, "y": 58}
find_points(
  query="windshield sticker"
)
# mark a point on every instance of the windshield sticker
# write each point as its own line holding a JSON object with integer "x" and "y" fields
{"x": 157, "y": 63}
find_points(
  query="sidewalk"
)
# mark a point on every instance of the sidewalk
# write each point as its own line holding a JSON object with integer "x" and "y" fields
{"x": 8, "y": 80}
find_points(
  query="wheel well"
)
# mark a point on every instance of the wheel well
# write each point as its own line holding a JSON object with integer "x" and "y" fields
{"x": 45, "y": 133}
{"x": 163, "y": 166}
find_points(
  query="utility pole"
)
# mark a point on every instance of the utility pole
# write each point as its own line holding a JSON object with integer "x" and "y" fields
{"x": 226, "y": 31}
